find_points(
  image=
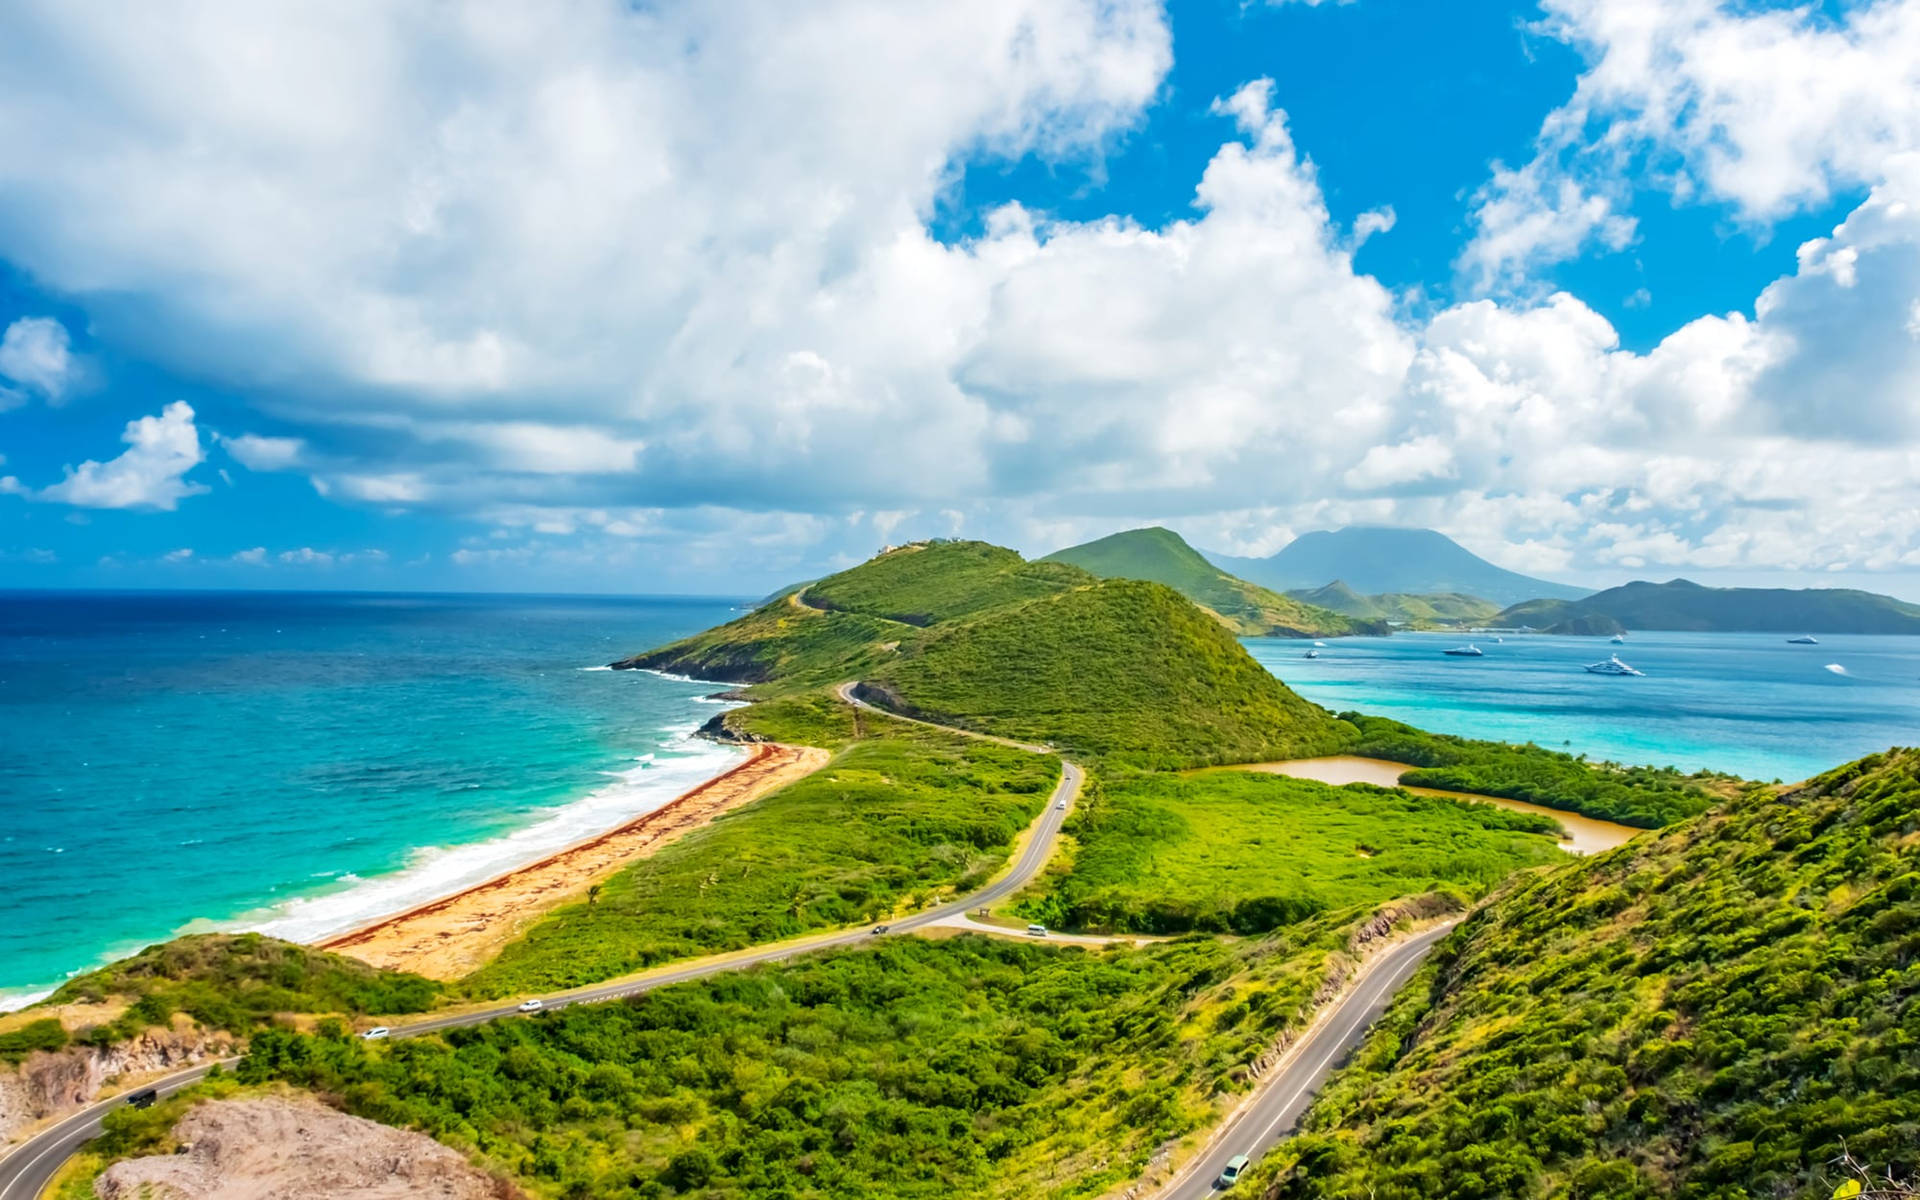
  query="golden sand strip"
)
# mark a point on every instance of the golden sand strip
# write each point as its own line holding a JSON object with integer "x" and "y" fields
{"x": 453, "y": 936}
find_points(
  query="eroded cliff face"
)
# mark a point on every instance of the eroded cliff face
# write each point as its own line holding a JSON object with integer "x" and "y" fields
{"x": 50, "y": 1084}
{"x": 293, "y": 1148}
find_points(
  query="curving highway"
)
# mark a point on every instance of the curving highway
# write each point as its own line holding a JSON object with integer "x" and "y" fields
{"x": 1261, "y": 1121}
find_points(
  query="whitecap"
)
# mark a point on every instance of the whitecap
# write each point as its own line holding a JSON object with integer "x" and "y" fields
{"x": 432, "y": 872}
{"x": 593, "y": 668}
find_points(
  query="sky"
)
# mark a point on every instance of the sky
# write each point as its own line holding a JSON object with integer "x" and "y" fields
{"x": 681, "y": 297}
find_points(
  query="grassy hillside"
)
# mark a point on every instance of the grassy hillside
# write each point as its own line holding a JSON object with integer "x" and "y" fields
{"x": 1436, "y": 610}
{"x": 1124, "y": 669}
{"x": 1708, "y": 1013}
{"x": 929, "y": 582}
{"x": 1232, "y": 852}
{"x": 1682, "y": 604}
{"x": 1163, "y": 556}
{"x": 964, "y": 1067}
{"x": 781, "y": 640}
{"x": 239, "y": 982}
{"x": 897, "y": 817}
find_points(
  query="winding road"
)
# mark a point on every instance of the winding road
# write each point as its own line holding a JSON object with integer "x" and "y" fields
{"x": 30, "y": 1167}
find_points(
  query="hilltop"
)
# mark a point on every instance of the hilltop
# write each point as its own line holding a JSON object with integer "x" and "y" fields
{"x": 1042, "y": 651}
{"x": 1704, "y": 1013}
{"x": 1374, "y": 559}
{"x": 1429, "y": 611}
{"x": 1163, "y": 556}
{"x": 1683, "y": 604}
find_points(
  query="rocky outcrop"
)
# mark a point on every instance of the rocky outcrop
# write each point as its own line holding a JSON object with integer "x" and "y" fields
{"x": 48, "y": 1084}
{"x": 287, "y": 1148}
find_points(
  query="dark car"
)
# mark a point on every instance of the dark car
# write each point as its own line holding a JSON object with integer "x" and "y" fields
{"x": 879, "y": 929}
{"x": 143, "y": 1099}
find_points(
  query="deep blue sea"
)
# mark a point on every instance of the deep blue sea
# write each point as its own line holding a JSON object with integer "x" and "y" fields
{"x": 303, "y": 762}
{"x": 1748, "y": 703}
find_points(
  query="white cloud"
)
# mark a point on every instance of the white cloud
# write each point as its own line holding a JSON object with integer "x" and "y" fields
{"x": 306, "y": 556}
{"x": 259, "y": 453}
{"x": 150, "y": 474}
{"x": 1767, "y": 109}
{"x": 184, "y": 554}
{"x": 256, "y": 557}
{"x": 35, "y": 352}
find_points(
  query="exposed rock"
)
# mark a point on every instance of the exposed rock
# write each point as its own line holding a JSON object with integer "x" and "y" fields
{"x": 283, "y": 1148}
{"x": 50, "y": 1083}
{"x": 717, "y": 729}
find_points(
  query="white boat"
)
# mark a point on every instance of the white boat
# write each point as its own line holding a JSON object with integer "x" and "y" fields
{"x": 1612, "y": 666}
{"x": 1313, "y": 654}
{"x": 1805, "y": 639}
{"x": 1619, "y": 639}
{"x": 1467, "y": 651}
{"x": 1320, "y": 644}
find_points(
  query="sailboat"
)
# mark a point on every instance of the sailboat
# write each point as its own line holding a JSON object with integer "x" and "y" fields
{"x": 1612, "y": 666}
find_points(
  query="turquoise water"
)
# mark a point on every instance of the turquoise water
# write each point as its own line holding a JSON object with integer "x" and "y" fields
{"x": 1746, "y": 703}
{"x": 303, "y": 762}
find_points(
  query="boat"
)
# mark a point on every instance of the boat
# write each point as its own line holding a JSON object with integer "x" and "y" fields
{"x": 1320, "y": 644}
{"x": 1612, "y": 666}
{"x": 1805, "y": 639}
{"x": 1619, "y": 639}
{"x": 1467, "y": 651}
{"x": 1313, "y": 654}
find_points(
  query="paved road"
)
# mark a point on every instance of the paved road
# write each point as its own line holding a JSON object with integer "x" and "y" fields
{"x": 25, "y": 1173}
{"x": 1285, "y": 1095}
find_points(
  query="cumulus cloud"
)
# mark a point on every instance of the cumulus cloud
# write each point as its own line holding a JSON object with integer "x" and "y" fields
{"x": 632, "y": 276}
{"x": 1767, "y": 109}
{"x": 36, "y": 353}
{"x": 149, "y": 474}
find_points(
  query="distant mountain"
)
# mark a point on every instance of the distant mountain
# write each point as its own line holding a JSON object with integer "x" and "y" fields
{"x": 1683, "y": 604}
{"x": 1163, "y": 556}
{"x": 1401, "y": 608}
{"x": 1376, "y": 558}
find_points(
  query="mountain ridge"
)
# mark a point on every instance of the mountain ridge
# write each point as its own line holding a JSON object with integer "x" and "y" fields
{"x": 1681, "y": 604}
{"x": 1375, "y": 559}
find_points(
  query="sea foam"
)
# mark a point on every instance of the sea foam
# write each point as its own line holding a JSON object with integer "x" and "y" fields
{"x": 437, "y": 871}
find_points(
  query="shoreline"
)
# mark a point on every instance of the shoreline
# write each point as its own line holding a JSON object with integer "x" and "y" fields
{"x": 454, "y": 934}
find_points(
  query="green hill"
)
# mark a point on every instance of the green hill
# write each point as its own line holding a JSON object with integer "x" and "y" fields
{"x": 1163, "y": 556}
{"x": 1685, "y": 605}
{"x": 1420, "y": 611}
{"x": 1120, "y": 668}
{"x": 1715, "y": 1011}
{"x": 929, "y": 582}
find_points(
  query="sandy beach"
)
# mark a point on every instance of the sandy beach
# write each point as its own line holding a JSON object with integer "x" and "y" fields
{"x": 455, "y": 935}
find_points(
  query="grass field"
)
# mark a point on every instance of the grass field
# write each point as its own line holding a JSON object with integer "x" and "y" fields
{"x": 1227, "y": 851}
{"x": 895, "y": 819}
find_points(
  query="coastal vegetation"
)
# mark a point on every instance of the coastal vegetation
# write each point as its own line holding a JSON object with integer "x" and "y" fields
{"x": 1716, "y": 1011}
{"x": 238, "y": 983}
{"x": 930, "y": 582}
{"x": 1163, "y": 556}
{"x": 1685, "y": 605}
{"x": 1645, "y": 797}
{"x": 899, "y": 817}
{"x": 1433, "y": 610}
{"x": 1237, "y": 852}
{"x": 968, "y": 1066}
{"x": 1124, "y": 670}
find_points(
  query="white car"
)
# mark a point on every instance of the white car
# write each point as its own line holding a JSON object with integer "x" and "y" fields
{"x": 1062, "y": 806}
{"x": 533, "y": 1005}
{"x": 376, "y": 1033}
{"x": 1037, "y": 930}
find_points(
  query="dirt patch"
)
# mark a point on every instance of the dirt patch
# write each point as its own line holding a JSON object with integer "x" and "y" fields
{"x": 53, "y": 1083}
{"x": 281, "y": 1148}
{"x": 454, "y": 937}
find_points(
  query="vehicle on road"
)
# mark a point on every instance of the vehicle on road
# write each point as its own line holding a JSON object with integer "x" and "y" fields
{"x": 1231, "y": 1175}
{"x": 376, "y": 1033}
{"x": 1062, "y": 806}
{"x": 533, "y": 1005}
{"x": 143, "y": 1099}
{"x": 1037, "y": 930}
{"x": 879, "y": 929}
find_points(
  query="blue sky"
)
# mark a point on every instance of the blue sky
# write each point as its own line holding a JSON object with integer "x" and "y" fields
{"x": 678, "y": 298}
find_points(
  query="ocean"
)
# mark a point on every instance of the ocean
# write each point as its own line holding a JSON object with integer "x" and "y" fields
{"x": 301, "y": 763}
{"x": 1749, "y": 703}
